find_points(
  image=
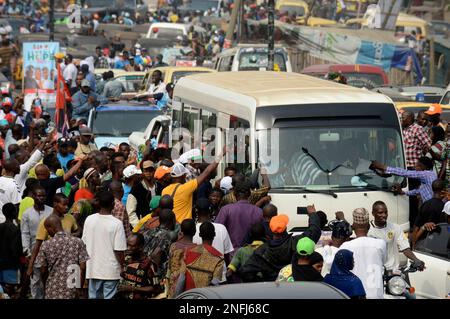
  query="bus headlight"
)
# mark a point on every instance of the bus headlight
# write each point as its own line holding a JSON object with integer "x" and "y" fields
{"x": 397, "y": 285}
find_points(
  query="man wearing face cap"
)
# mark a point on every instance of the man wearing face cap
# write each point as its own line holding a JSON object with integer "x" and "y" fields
{"x": 85, "y": 99}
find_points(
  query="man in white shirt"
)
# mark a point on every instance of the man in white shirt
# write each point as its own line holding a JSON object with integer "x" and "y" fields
{"x": 157, "y": 85}
{"x": 106, "y": 243}
{"x": 222, "y": 241}
{"x": 70, "y": 72}
{"x": 28, "y": 226}
{"x": 9, "y": 190}
{"x": 394, "y": 237}
{"x": 369, "y": 254}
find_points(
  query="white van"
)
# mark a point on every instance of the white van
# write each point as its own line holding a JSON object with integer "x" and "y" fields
{"x": 327, "y": 135}
{"x": 252, "y": 57}
{"x": 165, "y": 30}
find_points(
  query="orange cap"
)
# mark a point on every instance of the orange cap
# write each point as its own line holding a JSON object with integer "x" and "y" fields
{"x": 278, "y": 224}
{"x": 434, "y": 109}
{"x": 162, "y": 171}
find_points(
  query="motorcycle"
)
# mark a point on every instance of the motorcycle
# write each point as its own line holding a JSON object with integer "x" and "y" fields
{"x": 397, "y": 284}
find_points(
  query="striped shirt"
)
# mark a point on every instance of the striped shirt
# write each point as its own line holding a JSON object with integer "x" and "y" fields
{"x": 426, "y": 178}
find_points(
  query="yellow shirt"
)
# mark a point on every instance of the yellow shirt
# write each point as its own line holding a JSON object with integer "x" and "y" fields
{"x": 69, "y": 224}
{"x": 182, "y": 202}
{"x": 25, "y": 203}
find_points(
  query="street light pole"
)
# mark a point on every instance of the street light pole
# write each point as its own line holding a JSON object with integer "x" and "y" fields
{"x": 270, "y": 37}
{"x": 51, "y": 23}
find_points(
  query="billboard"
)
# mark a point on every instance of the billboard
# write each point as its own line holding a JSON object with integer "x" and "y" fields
{"x": 39, "y": 73}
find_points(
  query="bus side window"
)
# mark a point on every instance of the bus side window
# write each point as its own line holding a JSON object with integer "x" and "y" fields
{"x": 237, "y": 135}
{"x": 230, "y": 63}
{"x": 190, "y": 116}
{"x": 446, "y": 99}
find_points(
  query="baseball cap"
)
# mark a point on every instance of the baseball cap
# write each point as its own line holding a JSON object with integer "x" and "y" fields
{"x": 154, "y": 202}
{"x": 147, "y": 164}
{"x": 137, "y": 46}
{"x": 178, "y": 170}
{"x": 225, "y": 184}
{"x": 85, "y": 83}
{"x": 360, "y": 216}
{"x": 305, "y": 246}
{"x": 162, "y": 171}
{"x": 60, "y": 55}
{"x": 7, "y": 101}
{"x": 131, "y": 170}
{"x": 446, "y": 208}
{"x": 278, "y": 224}
{"x": 434, "y": 109}
{"x": 84, "y": 130}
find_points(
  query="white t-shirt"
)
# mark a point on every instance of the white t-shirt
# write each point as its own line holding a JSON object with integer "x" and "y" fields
{"x": 369, "y": 255}
{"x": 70, "y": 73}
{"x": 328, "y": 252}
{"x": 221, "y": 242}
{"x": 9, "y": 193}
{"x": 103, "y": 234}
{"x": 395, "y": 239}
{"x": 160, "y": 88}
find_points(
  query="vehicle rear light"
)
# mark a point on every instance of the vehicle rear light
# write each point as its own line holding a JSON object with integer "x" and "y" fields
{"x": 155, "y": 30}
{"x": 412, "y": 290}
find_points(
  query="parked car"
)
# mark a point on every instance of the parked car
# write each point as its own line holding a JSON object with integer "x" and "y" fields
{"x": 267, "y": 290}
{"x": 114, "y": 122}
{"x": 434, "y": 250}
{"x": 426, "y": 94}
{"x": 358, "y": 75}
{"x": 165, "y": 30}
{"x": 252, "y": 57}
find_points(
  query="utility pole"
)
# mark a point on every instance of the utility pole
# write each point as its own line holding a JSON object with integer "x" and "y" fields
{"x": 232, "y": 24}
{"x": 270, "y": 37}
{"x": 432, "y": 62}
{"x": 51, "y": 23}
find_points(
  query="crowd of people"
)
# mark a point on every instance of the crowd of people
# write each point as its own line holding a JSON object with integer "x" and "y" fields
{"x": 79, "y": 222}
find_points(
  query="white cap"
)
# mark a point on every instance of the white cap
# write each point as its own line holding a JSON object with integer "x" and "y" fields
{"x": 8, "y": 29}
{"x": 3, "y": 31}
{"x": 194, "y": 154}
{"x": 137, "y": 46}
{"x": 225, "y": 184}
{"x": 446, "y": 208}
{"x": 216, "y": 39}
{"x": 131, "y": 170}
{"x": 178, "y": 170}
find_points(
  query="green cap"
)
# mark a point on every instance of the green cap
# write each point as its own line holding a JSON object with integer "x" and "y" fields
{"x": 154, "y": 203}
{"x": 305, "y": 246}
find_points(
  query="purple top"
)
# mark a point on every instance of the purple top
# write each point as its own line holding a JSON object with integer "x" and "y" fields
{"x": 238, "y": 218}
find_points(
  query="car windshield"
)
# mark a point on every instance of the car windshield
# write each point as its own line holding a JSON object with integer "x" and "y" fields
{"x": 297, "y": 10}
{"x": 111, "y": 123}
{"x": 254, "y": 61}
{"x": 131, "y": 83}
{"x": 179, "y": 74}
{"x": 364, "y": 80}
{"x": 346, "y": 151}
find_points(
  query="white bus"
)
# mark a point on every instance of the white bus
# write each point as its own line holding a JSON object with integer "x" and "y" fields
{"x": 328, "y": 134}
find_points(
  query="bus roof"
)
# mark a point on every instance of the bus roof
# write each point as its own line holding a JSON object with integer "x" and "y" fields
{"x": 262, "y": 88}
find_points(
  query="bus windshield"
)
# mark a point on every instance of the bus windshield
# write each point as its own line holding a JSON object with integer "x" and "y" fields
{"x": 345, "y": 152}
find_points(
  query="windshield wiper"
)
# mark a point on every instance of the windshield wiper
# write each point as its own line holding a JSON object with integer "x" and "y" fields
{"x": 307, "y": 190}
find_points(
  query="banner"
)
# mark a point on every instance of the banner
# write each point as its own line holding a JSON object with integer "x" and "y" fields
{"x": 376, "y": 53}
{"x": 39, "y": 73}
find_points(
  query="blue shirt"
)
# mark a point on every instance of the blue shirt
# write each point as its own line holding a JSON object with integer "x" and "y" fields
{"x": 81, "y": 105}
{"x": 121, "y": 64}
{"x": 426, "y": 178}
{"x": 64, "y": 160}
{"x": 91, "y": 78}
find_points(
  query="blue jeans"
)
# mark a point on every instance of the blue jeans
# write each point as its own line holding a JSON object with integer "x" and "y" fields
{"x": 102, "y": 289}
